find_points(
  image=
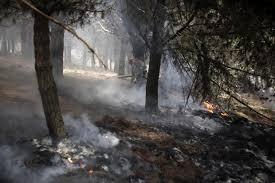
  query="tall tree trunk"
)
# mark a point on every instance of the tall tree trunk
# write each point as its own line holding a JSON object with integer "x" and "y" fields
{"x": 116, "y": 50}
{"x": 1, "y": 41}
{"x": 121, "y": 66}
{"x": 30, "y": 45}
{"x": 26, "y": 40}
{"x": 151, "y": 103}
{"x": 4, "y": 46}
{"x": 24, "y": 46}
{"x": 13, "y": 46}
{"x": 57, "y": 50}
{"x": 68, "y": 55}
{"x": 8, "y": 46}
{"x": 92, "y": 60}
{"x": 46, "y": 83}
{"x": 84, "y": 57}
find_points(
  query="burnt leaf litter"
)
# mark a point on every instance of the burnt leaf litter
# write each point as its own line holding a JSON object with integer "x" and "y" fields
{"x": 241, "y": 151}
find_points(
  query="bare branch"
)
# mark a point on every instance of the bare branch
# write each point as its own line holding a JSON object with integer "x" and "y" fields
{"x": 240, "y": 70}
{"x": 178, "y": 33}
{"x": 242, "y": 102}
{"x": 66, "y": 27}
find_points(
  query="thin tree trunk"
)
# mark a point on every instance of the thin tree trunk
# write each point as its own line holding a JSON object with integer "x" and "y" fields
{"x": 121, "y": 66}
{"x": 1, "y": 38}
{"x": 84, "y": 57}
{"x": 4, "y": 49}
{"x": 151, "y": 103}
{"x": 116, "y": 50}
{"x": 26, "y": 40}
{"x": 8, "y": 46}
{"x": 57, "y": 50}
{"x": 30, "y": 53}
{"x": 12, "y": 46}
{"x": 46, "y": 83}
{"x": 24, "y": 47}
{"x": 69, "y": 54}
{"x": 93, "y": 60}
{"x": 93, "y": 55}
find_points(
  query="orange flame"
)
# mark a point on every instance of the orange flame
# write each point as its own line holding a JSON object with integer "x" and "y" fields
{"x": 90, "y": 172}
{"x": 70, "y": 160}
{"x": 209, "y": 107}
{"x": 224, "y": 114}
{"x": 213, "y": 108}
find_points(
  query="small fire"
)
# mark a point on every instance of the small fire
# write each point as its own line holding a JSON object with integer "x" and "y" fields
{"x": 209, "y": 106}
{"x": 76, "y": 162}
{"x": 224, "y": 114}
{"x": 213, "y": 108}
{"x": 90, "y": 171}
{"x": 70, "y": 160}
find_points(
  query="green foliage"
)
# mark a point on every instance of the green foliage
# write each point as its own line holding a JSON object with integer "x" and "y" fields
{"x": 224, "y": 35}
{"x": 75, "y": 11}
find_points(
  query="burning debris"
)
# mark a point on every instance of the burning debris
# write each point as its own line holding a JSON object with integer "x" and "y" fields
{"x": 81, "y": 150}
{"x": 144, "y": 153}
{"x": 209, "y": 107}
{"x": 212, "y": 108}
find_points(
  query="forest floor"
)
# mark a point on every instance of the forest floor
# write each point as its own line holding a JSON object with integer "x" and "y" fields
{"x": 111, "y": 138}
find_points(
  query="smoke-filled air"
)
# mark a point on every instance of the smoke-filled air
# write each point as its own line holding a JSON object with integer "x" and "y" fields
{"x": 137, "y": 91}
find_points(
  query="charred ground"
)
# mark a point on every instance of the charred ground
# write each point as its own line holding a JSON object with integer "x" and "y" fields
{"x": 192, "y": 147}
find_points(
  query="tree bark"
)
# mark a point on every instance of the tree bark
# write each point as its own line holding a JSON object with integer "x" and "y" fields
{"x": 151, "y": 103}
{"x": 57, "y": 50}
{"x": 46, "y": 83}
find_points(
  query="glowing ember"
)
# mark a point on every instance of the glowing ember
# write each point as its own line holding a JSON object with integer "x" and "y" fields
{"x": 90, "y": 172}
{"x": 70, "y": 160}
{"x": 209, "y": 107}
{"x": 224, "y": 114}
{"x": 213, "y": 108}
{"x": 81, "y": 165}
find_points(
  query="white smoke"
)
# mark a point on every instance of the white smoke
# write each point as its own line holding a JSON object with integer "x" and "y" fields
{"x": 82, "y": 130}
{"x": 13, "y": 168}
{"x": 84, "y": 139}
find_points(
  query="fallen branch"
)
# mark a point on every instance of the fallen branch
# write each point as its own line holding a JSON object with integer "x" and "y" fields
{"x": 242, "y": 102}
{"x": 236, "y": 98}
{"x": 104, "y": 29}
{"x": 125, "y": 76}
{"x": 66, "y": 27}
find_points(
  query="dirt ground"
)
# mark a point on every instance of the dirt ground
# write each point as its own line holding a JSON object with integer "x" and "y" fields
{"x": 169, "y": 147}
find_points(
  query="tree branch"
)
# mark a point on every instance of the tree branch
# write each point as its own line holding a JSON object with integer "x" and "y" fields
{"x": 181, "y": 29}
{"x": 242, "y": 102}
{"x": 240, "y": 70}
{"x": 66, "y": 27}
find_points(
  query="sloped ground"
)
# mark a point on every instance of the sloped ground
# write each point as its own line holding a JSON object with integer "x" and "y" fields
{"x": 264, "y": 102}
{"x": 104, "y": 147}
